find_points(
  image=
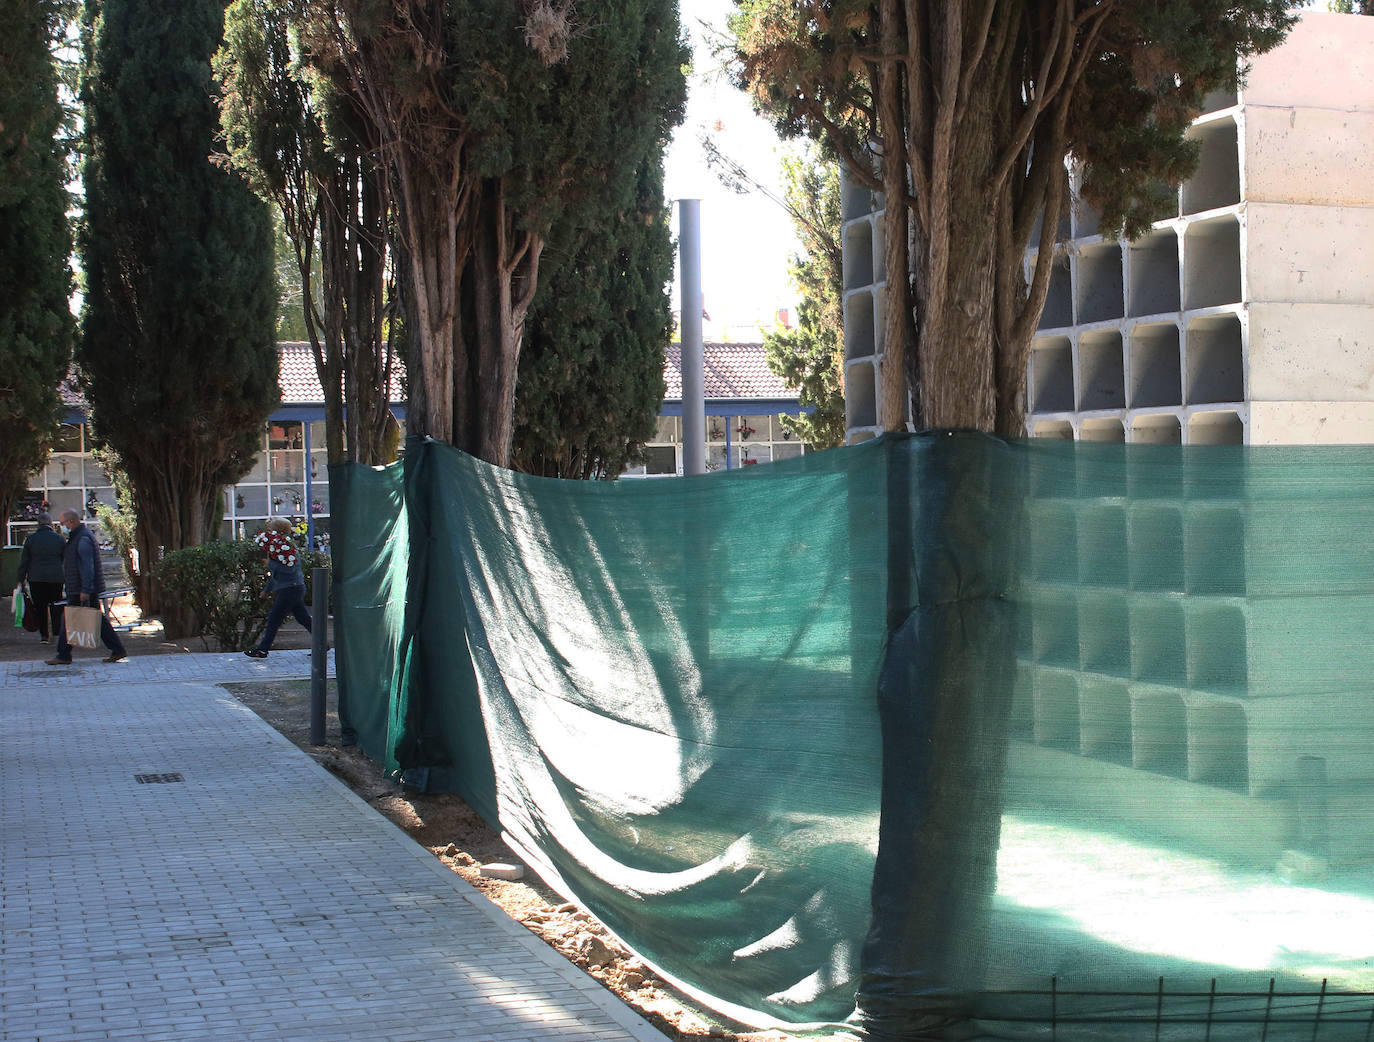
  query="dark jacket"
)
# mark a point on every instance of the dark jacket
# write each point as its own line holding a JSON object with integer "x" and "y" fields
{"x": 283, "y": 561}
{"x": 41, "y": 559}
{"x": 284, "y": 576}
{"x": 81, "y": 564}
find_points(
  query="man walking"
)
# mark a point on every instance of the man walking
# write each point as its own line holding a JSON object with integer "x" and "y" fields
{"x": 85, "y": 583}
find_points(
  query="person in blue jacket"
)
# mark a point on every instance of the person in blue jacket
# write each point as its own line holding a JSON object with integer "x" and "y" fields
{"x": 85, "y": 583}
{"x": 286, "y": 582}
{"x": 40, "y": 562}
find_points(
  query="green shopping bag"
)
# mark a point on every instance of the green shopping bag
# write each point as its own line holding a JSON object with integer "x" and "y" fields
{"x": 18, "y": 598}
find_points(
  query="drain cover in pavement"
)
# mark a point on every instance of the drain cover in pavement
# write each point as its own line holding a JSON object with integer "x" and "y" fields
{"x": 153, "y": 779}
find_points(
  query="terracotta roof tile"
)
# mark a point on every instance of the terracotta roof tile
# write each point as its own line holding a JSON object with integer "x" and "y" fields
{"x": 299, "y": 382}
{"x": 731, "y": 371}
{"x": 296, "y": 374}
{"x": 70, "y": 392}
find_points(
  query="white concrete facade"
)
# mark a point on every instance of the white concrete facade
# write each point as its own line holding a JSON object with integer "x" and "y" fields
{"x": 1249, "y": 316}
{"x": 1246, "y": 317}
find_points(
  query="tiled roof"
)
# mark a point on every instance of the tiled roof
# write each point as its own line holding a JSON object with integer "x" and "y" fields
{"x": 70, "y": 393}
{"x": 299, "y": 381}
{"x": 731, "y": 370}
{"x": 300, "y": 385}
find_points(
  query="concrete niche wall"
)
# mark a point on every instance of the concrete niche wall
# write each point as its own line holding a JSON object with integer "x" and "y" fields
{"x": 1245, "y": 317}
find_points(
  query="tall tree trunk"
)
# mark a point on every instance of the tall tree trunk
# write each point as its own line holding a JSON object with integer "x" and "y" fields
{"x": 946, "y": 682}
{"x": 954, "y": 289}
{"x": 430, "y": 215}
{"x": 957, "y": 335}
{"x": 498, "y": 287}
{"x": 899, "y": 349}
{"x": 360, "y": 269}
{"x": 324, "y": 328}
{"x": 168, "y": 516}
{"x": 372, "y": 358}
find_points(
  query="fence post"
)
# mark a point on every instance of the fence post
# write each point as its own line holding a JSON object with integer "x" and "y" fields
{"x": 319, "y": 644}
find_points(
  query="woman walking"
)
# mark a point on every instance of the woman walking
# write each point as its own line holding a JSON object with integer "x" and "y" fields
{"x": 286, "y": 581}
{"x": 41, "y": 564}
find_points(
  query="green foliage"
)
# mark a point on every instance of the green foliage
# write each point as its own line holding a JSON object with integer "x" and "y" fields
{"x": 291, "y": 323}
{"x": 118, "y": 522}
{"x": 1151, "y": 64}
{"x": 1160, "y": 61}
{"x": 223, "y": 586}
{"x": 507, "y": 127}
{"x": 591, "y": 369}
{"x": 177, "y": 351}
{"x": 965, "y": 116}
{"x": 273, "y": 140}
{"x": 298, "y": 142}
{"x": 35, "y": 241}
{"x": 559, "y": 133}
{"x": 811, "y": 356}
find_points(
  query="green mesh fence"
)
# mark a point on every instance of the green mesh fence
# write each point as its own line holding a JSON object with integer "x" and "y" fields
{"x": 935, "y": 737}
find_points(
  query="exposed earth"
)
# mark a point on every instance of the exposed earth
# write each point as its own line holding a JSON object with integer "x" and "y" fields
{"x": 445, "y": 826}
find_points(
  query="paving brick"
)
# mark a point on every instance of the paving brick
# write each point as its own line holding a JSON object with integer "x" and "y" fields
{"x": 256, "y": 899}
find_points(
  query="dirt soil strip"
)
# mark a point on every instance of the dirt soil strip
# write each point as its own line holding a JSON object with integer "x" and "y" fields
{"x": 457, "y": 836}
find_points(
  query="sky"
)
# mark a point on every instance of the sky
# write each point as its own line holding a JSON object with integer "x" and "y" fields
{"x": 746, "y": 241}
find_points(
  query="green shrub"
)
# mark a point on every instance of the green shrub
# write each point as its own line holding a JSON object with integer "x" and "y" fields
{"x": 223, "y": 584}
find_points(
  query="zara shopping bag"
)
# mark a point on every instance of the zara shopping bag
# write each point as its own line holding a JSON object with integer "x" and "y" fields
{"x": 83, "y": 626}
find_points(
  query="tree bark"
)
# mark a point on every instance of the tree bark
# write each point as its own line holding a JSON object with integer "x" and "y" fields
{"x": 323, "y": 328}
{"x": 954, "y": 289}
{"x": 358, "y": 213}
{"x": 892, "y": 407}
{"x": 498, "y": 286}
{"x": 372, "y": 364}
{"x": 429, "y": 210}
{"x": 169, "y": 515}
{"x": 972, "y": 177}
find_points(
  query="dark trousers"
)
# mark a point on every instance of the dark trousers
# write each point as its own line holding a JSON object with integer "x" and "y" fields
{"x": 290, "y": 601}
{"x": 108, "y": 636}
{"x": 44, "y": 594}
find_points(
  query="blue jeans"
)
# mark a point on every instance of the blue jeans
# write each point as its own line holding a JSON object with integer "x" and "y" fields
{"x": 290, "y": 601}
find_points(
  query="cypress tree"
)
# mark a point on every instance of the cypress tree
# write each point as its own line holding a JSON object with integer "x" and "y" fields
{"x": 35, "y": 242}
{"x": 965, "y": 115}
{"x": 177, "y": 351}
{"x": 497, "y": 120}
{"x": 970, "y": 111}
{"x": 811, "y": 356}
{"x": 591, "y": 369}
{"x": 300, "y": 145}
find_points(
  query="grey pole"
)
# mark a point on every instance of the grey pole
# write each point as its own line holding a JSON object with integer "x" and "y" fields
{"x": 693, "y": 366}
{"x": 319, "y": 650}
{"x": 309, "y": 491}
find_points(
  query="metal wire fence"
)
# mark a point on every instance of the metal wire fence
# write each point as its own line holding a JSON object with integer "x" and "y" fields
{"x": 1318, "y": 1015}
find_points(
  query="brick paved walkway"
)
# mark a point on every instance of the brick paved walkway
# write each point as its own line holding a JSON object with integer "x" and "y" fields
{"x": 253, "y": 897}
{"x": 219, "y": 668}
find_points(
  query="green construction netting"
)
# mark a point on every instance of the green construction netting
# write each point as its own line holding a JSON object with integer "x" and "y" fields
{"x": 939, "y": 736}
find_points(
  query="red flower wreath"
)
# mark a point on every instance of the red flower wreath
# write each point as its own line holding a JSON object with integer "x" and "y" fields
{"x": 278, "y": 547}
